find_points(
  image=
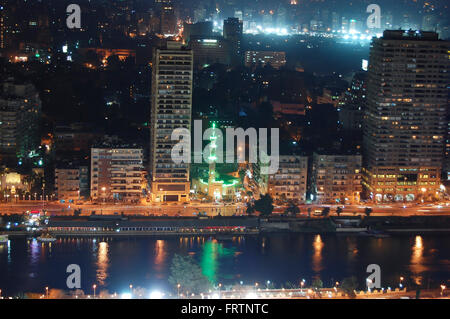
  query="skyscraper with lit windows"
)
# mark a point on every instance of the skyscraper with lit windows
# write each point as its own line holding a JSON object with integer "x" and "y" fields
{"x": 171, "y": 108}
{"x": 405, "y": 117}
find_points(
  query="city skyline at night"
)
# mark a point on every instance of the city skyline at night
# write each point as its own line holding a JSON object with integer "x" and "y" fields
{"x": 241, "y": 151}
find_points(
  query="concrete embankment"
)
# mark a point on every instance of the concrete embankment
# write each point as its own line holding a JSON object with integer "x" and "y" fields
{"x": 355, "y": 224}
{"x": 237, "y": 226}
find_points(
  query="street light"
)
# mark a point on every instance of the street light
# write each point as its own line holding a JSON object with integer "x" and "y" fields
{"x": 46, "y": 291}
{"x": 302, "y": 283}
{"x": 94, "y": 286}
{"x": 443, "y": 287}
{"x": 178, "y": 289}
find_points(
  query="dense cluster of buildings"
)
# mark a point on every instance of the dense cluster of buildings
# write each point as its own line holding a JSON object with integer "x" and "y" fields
{"x": 396, "y": 109}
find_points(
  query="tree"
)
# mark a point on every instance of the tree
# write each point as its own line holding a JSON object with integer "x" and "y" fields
{"x": 185, "y": 272}
{"x": 367, "y": 211}
{"x": 264, "y": 205}
{"x": 317, "y": 284}
{"x": 338, "y": 211}
{"x": 289, "y": 285}
{"x": 292, "y": 209}
{"x": 349, "y": 285}
{"x": 326, "y": 211}
{"x": 250, "y": 209}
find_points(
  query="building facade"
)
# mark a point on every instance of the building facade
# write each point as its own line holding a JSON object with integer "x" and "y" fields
{"x": 171, "y": 109}
{"x": 232, "y": 32}
{"x": 336, "y": 178}
{"x": 71, "y": 183}
{"x": 351, "y": 113}
{"x": 276, "y": 59}
{"x": 290, "y": 182}
{"x": 117, "y": 173}
{"x": 405, "y": 117}
{"x": 20, "y": 113}
{"x": 209, "y": 50}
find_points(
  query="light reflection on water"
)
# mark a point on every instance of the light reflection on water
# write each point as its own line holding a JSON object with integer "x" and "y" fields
{"x": 317, "y": 256}
{"x": 114, "y": 262}
{"x": 417, "y": 261}
{"x": 213, "y": 253}
{"x": 102, "y": 263}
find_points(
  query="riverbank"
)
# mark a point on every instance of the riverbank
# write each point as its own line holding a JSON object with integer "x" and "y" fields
{"x": 111, "y": 225}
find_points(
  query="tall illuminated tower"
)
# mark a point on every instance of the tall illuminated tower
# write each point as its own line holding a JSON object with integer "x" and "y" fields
{"x": 404, "y": 121}
{"x": 212, "y": 158}
{"x": 171, "y": 108}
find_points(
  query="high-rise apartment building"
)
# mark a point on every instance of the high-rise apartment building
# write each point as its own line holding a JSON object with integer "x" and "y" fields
{"x": 117, "y": 173}
{"x": 209, "y": 50}
{"x": 351, "y": 113}
{"x": 168, "y": 20}
{"x": 20, "y": 112}
{"x": 405, "y": 116}
{"x": 171, "y": 108}
{"x": 232, "y": 32}
{"x": 2, "y": 26}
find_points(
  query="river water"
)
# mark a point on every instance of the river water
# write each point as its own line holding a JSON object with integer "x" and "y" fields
{"x": 114, "y": 263}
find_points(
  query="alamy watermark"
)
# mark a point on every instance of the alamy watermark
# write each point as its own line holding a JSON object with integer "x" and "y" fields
{"x": 257, "y": 146}
{"x": 374, "y": 279}
{"x": 74, "y": 279}
{"x": 374, "y": 19}
{"x": 73, "y": 21}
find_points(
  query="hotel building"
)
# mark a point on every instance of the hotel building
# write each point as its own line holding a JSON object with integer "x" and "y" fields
{"x": 405, "y": 118}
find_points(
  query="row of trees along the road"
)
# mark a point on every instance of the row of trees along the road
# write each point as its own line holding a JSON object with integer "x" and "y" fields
{"x": 264, "y": 205}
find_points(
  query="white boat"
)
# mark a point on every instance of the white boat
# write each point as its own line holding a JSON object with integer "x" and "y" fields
{"x": 3, "y": 239}
{"x": 46, "y": 238}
